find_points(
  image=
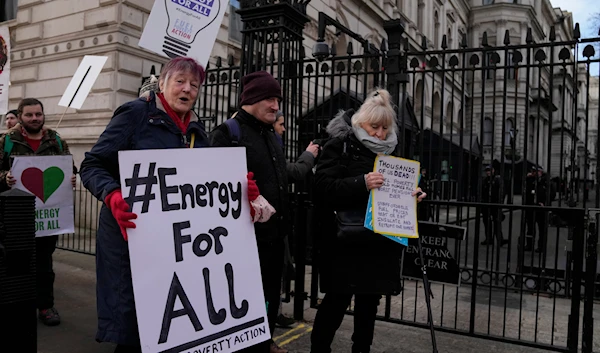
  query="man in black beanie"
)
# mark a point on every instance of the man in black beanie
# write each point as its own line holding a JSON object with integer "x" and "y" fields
{"x": 261, "y": 95}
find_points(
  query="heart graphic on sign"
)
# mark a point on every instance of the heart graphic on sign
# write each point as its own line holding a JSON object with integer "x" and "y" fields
{"x": 42, "y": 184}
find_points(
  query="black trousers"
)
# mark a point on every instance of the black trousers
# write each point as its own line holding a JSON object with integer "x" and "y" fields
{"x": 44, "y": 248}
{"x": 492, "y": 223}
{"x": 271, "y": 269}
{"x": 331, "y": 313}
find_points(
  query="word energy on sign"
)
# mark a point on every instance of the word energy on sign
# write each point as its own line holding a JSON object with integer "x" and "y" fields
{"x": 394, "y": 207}
{"x": 49, "y": 179}
{"x": 194, "y": 259}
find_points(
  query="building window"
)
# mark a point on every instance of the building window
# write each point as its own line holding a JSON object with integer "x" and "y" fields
{"x": 488, "y": 2}
{"x": 421, "y": 17}
{"x": 436, "y": 33}
{"x": 511, "y": 72}
{"x": 8, "y": 10}
{"x": 488, "y": 132}
{"x": 235, "y": 22}
{"x": 509, "y": 133}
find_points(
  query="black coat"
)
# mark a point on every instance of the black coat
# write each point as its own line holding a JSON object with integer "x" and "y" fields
{"x": 138, "y": 125}
{"x": 491, "y": 189}
{"x": 373, "y": 264}
{"x": 266, "y": 160}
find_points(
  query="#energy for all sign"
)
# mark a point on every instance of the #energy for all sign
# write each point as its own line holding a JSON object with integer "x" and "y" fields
{"x": 194, "y": 258}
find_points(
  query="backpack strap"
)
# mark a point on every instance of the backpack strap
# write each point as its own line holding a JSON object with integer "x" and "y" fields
{"x": 59, "y": 142}
{"x": 233, "y": 126}
{"x": 8, "y": 145}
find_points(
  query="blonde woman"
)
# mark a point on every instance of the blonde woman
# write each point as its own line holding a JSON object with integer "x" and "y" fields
{"x": 362, "y": 264}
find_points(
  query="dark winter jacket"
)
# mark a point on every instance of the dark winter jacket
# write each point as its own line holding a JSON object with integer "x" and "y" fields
{"x": 491, "y": 189}
{"x": 138, "y": 125}
{"x": 371, "y": 265}
{"x": 48, "y": 147}
{"x": 303, "y": 166}
{"x": 265, "y": 159}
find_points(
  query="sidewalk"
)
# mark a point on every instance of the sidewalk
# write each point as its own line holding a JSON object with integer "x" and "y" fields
{"x": 76, "y": 302}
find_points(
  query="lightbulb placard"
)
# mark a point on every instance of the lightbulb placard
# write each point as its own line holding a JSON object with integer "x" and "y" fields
{"x": 4, "y": 67}
{"x": 184, "y": 28}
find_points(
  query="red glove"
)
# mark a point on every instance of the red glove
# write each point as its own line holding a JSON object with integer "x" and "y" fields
{"x": 253, "y": 192}
{"x": 120, "y": 210}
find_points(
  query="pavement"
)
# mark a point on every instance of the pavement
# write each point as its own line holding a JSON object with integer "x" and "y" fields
{"x": 75, "y": 300}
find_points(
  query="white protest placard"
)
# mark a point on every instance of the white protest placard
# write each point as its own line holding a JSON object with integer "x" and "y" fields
{"x": 394, "y": 207}
{"x": 4, "y": 67}
{"x": 184, "y": 28}
{"x": 194, "y": 258}
{"x": 82, "y": 81}
{"x": 49, "y": 179}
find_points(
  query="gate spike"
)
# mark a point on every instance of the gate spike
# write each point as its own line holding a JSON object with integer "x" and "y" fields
{"x": 302, "y": 52}
{"x": 444, "y": 42}
{"x": 507, "y": 37}
{"x": 424, "y": 43}
{"x": 484, "y": 40}
{"x": 218, "y": 64}
{"x": 333, "y": 50}
{"x": 529, "y": 38}
{"x": 272, "y": 57}
{"x": 552, "y": 33}
{"x": 350, "y": 49}
{"x": 230, "y": 60}
{"x": 463, "y": 41}
{"x": 576, "y": 31}
{"x": 152, "y": 70}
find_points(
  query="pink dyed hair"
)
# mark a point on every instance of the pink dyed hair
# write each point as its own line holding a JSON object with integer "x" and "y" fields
{"x": 183, "y": 64}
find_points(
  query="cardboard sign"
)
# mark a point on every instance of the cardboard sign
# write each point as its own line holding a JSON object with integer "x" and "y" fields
{"x": 440, "y": 244}
{"x": 4, "y": 68}
{"x": 184, "y": 28}
{"x": 82, "y": 81}
{"x": 194, "y": 258}
{"x": 49, "y": 179}
{"x": 394, "y": 207}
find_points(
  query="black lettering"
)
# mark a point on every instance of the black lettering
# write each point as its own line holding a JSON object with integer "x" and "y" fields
{"x": 179, "y": 239}
{"x": 187, "y": 190}
{"x": 236, "y": 196}
{"x": 236, "y": 312}
{"x": 201, "y": 191}
{"x": 166, "y": 190}
{"x": 198, "y": 242}
{"x": 216, "y": 233}
{"x": 215, "y": 317}
{"x": 176, "y": 291}
{"x": 224, "y": 198}
{"x": 211, "y": 186}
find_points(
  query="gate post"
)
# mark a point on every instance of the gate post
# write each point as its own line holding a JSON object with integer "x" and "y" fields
{"x": 577, "y": 218}
{"x": 397, "y": 79}
{"x": 587, "y": 340}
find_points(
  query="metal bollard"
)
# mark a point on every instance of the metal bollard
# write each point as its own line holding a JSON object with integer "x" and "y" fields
{"x": 18, "y": 323}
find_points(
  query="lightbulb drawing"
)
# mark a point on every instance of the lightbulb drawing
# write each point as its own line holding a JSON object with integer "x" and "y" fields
{"x": 186, "y": 18}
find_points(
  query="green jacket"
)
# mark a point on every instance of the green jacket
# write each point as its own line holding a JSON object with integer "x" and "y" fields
{"x": 49, "y": 146}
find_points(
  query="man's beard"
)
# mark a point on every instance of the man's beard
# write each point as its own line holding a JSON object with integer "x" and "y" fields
{"x": 32, "y": 130}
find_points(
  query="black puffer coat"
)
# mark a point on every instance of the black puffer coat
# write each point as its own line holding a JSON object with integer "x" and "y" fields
{"x": 265, "y": 159}
{"x": 371, "y": 265}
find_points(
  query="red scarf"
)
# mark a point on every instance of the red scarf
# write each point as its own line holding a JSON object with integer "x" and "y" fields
{"x": 181, "y": 124}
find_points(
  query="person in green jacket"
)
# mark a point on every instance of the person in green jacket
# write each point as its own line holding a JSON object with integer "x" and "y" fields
{"x": 31, "y": 137}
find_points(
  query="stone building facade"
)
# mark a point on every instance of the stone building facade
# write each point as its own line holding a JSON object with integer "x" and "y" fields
{"x": 50, "y": 37}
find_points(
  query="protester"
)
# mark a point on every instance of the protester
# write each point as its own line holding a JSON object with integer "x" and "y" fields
{"x": 10, "y": 119}
{"x": 363, "y": 265}
{"x": 299, "y": 170}
{"x": 259, "y": 105}
{"x": 154, "y": 121}
{"x": 31, "y": 137}
{"x": 492, "y": 216}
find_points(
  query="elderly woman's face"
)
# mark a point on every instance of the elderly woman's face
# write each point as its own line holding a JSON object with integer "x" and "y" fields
{"x": 181, "y": 91}
{"x": 379, "y": 131}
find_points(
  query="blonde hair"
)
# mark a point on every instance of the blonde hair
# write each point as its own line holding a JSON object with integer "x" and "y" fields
{"x": 376, "y": 109}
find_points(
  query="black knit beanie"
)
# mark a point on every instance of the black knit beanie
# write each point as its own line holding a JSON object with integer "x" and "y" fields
{"x": 258, "y": 86}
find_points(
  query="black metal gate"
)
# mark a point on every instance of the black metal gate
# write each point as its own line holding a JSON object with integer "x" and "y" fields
{"x": 512, "y": 107}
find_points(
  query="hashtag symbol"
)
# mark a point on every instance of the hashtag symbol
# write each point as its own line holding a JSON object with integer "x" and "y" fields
{"x": 133, "y": 183}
